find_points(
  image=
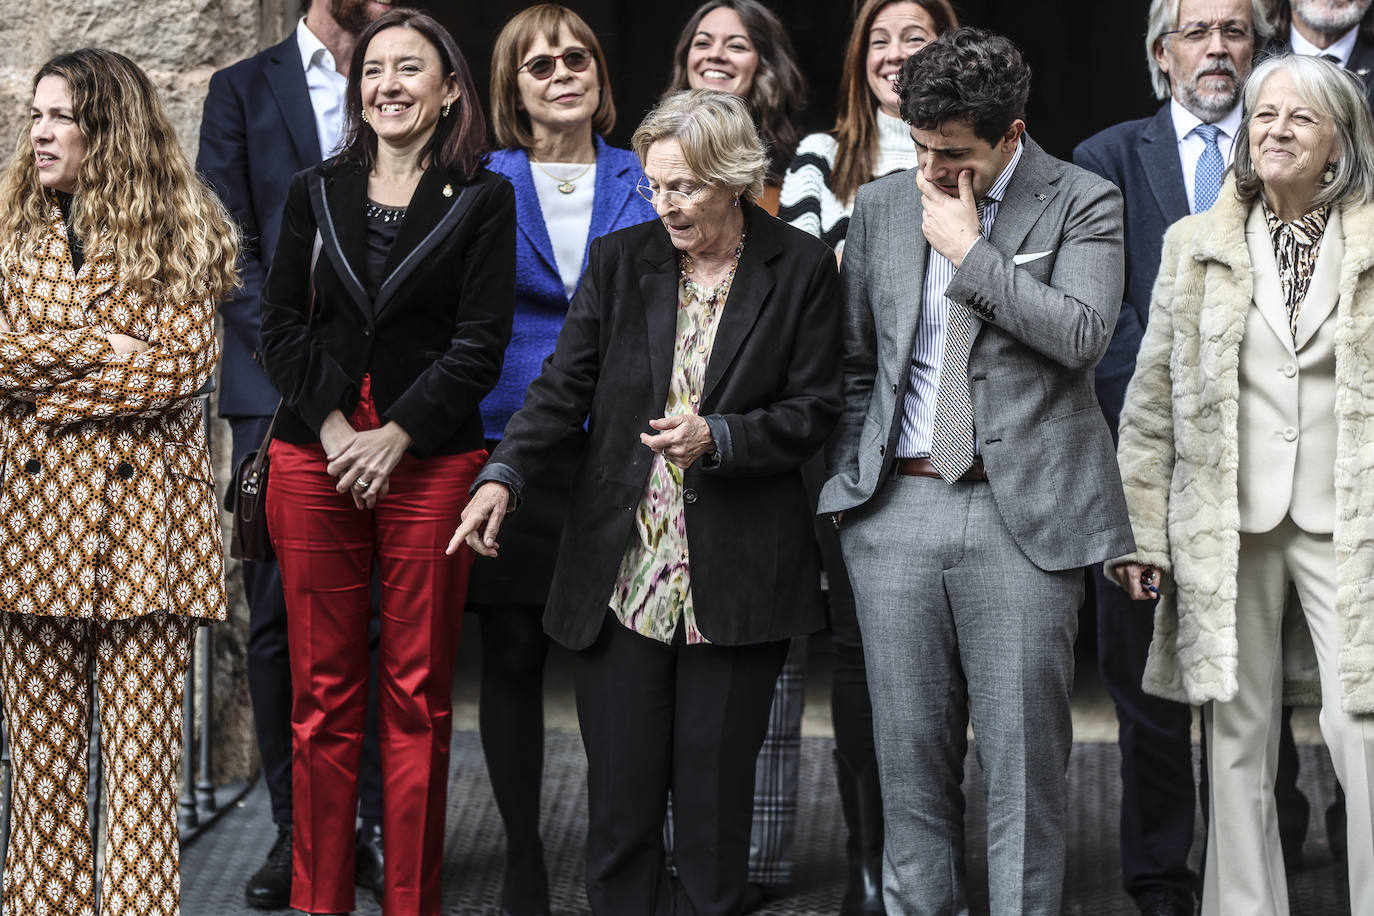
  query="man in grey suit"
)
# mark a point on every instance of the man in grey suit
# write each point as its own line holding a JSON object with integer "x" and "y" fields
{"x": 972, "y": 473}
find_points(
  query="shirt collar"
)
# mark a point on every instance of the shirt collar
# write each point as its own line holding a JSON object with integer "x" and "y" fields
{"x": 313, "y": 51}
{"x": 1185, "y": 122}
{"x": 999, "y": 187}
{"x": 1341, "y": 49}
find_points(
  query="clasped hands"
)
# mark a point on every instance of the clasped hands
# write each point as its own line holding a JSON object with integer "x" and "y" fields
{"x": 950, "y": 224}
{"x": 362, "y": 461}
{"x": 681, "y": 439}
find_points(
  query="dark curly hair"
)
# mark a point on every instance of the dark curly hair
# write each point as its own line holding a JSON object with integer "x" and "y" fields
{"x": 969, "y": 75}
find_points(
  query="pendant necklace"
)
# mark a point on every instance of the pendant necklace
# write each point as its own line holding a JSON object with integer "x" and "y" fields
{"x": 565, "y": 185}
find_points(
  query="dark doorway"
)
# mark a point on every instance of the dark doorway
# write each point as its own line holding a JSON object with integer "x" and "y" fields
{"x": 1087, "y": 56}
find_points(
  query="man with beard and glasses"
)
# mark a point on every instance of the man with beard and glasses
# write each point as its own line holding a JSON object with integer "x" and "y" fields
{"x": 1342, "y": 31}
{"x": 265, "y": 119}
{"x": 1168, "y": 166}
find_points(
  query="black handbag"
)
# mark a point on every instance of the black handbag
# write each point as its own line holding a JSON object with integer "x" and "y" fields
{"x": 247, "y": 494}
{"x": 247, "y": 499}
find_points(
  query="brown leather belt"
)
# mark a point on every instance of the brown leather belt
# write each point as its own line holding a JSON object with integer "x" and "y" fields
{"x": 921, "y": 467}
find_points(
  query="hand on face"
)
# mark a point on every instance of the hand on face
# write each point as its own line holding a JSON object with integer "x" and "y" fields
{"x": 950, "y": 224}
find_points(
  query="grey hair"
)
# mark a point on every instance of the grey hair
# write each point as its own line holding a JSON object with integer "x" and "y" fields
{"x": 1335, "y": 93}
{"x": 717, "y": 134}
{"x": 1163, "y": 17}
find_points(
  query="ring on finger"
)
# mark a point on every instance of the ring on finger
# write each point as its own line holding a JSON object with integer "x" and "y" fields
{"x": 362, "y": 484}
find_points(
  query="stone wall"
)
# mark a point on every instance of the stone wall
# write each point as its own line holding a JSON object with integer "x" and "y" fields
{"x": 179, "y": 43}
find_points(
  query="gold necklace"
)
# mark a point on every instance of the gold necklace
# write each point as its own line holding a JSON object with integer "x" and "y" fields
{"x": 565, "y": 185}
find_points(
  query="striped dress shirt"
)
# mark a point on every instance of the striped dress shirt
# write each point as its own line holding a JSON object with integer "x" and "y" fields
{"x": 923, "y": 377}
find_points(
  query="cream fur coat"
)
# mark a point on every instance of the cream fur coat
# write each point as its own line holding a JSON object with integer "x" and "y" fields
{"x": 1179, "y": 456}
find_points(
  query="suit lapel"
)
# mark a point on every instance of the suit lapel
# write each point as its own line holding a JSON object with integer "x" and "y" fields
{"x": 430, "y": 216}
{"x": 906, "y": 272}
{"x": 1268, "y": 291}
{"x": 529, "y": 218}
{"x": 1361, "y": 62}
{"x": 286, "y": 79}
{"x": 1324, "y": 291}
{"x": 1032, "y": 187}
{"x": 1158, "y": 152}
{"x": 338, "y": 203}
{"x": 658, "y": 292}
{"x": 753, "y": 282}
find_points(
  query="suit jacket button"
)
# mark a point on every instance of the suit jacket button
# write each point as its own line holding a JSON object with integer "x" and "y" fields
{"x": 125, "y": 470}
{"x": 33, "y": 466}
{"x": 689, "y": 495}
{"x": 882, "y": 450}
{"x": 894, "y": 387}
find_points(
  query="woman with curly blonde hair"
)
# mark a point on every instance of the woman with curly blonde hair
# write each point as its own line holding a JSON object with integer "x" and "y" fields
{"x": 112, "y": 256}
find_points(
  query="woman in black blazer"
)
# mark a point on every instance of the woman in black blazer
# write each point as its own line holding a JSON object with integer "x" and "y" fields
{"x": 701, "y": 351}
{"x": 379, "y": 438}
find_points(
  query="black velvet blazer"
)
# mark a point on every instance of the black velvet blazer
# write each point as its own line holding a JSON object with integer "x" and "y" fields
{"x": 774, "y": 381}
{"x": 434, "y": 337}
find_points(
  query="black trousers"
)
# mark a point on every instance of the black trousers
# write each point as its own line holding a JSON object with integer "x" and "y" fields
{"x": 657, "y": 717}
{"x": 269, "y": 670}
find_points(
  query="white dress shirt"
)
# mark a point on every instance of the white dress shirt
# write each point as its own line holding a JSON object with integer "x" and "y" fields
{"x": 1190, "y": 145}
{"x": 927, "y": 354}
{"x": 327, "y": 86}
{"x": 1341, "y": 49}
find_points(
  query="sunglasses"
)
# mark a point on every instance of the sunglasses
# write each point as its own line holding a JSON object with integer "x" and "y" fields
{"x": 541, "y": 66}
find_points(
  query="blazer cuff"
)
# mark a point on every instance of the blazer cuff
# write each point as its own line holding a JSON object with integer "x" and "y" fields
{"x": 496, "y": 472}
{"x": 725, "y": 451}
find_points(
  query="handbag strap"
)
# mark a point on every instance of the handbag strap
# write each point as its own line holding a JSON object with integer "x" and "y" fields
{"x": 261, "y": 457}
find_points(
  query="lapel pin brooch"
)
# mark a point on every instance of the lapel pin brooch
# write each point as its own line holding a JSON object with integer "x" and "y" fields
{"x": 1040, "y": 197}
{"x": 448, "y": 190}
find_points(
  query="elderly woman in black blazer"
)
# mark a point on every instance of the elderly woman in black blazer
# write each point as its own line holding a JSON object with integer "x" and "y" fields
{"x": 701, "y": 349}
{"x": 378, "y": 440}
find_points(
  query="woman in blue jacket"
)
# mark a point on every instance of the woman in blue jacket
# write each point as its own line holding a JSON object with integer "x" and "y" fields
{"x": 551, "y": 104}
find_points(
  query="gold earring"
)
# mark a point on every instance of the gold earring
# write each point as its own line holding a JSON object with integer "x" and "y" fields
{"x": 363, "y": 112}
{"x": 447, "y": 106}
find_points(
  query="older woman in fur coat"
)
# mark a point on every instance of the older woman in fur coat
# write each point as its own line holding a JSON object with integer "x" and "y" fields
{"x": 1247, "y": 446}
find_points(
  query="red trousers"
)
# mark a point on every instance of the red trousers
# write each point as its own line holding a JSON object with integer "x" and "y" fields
{"x": 326, "y": 548}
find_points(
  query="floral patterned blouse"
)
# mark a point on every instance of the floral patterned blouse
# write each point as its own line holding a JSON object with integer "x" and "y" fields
{"x": 654, "y": 586}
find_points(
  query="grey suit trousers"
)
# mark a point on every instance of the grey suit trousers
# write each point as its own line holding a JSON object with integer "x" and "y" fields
{"x": 957, "y": 622}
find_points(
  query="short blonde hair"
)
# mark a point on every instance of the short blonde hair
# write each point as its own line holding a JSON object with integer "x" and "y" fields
{"x": 717, "y": 134}
{"x": 1334, "y": 92}
{"x": 509, "y": 121}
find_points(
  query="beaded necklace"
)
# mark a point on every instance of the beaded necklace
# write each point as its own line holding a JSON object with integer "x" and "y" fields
{"x": 712, "y": 296}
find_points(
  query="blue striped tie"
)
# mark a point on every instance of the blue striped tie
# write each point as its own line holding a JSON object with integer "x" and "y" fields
{"x": 1210, "y": 168}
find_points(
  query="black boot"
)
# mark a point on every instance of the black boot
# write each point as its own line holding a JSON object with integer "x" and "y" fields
{"x": 862, "y": 800}
{"x": 270, "y": 886}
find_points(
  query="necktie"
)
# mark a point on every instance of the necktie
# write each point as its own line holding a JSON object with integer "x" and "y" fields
{"x": 951, "y": 439}
{"x": 1331, "y": 57}
{"x": 1210, "y": 168}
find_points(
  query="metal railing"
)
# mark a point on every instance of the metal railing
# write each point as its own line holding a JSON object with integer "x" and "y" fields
{"x": 201, "y": 801}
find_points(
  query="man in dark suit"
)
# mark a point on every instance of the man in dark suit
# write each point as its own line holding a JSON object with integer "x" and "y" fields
{"x": 974, "y": 471}
{"x": 265, "y": 119}
{"x": 1161, "y": 165}
{"x": 1342, "y": 31}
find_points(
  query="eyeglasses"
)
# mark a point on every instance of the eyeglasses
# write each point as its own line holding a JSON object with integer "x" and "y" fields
{"x": 671, "y": 198}
{"x": 1197, "y": 32}
{"x": 541, "y": 66}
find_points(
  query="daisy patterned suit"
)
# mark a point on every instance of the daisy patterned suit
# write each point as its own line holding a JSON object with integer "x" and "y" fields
{"x": 110, "y": 553}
